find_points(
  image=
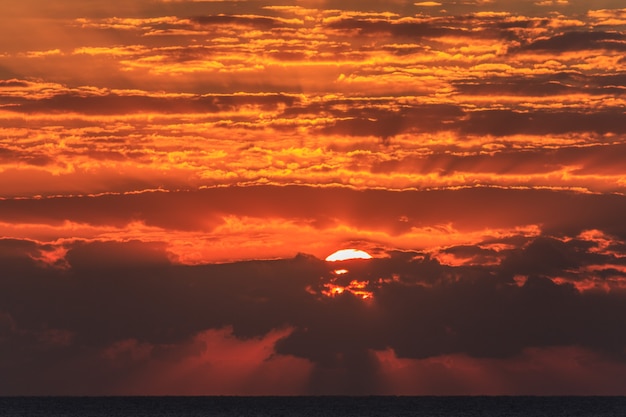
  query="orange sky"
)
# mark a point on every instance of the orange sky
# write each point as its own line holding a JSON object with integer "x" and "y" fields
{"x": 471, "y": 147}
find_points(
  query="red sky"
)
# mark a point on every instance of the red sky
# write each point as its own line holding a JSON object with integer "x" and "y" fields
{"x": 173, "y": 174}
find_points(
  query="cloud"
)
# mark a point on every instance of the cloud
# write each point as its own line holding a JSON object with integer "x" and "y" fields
{"x": 257, "y": 21}
{"x": 561, "y": 371}
{"x": 553, "y": 84}
{"x": 8, "y": 155}
{"x": 192, "y": 210}
{"x": 13, "y": 83}
{"x": 146, "y": 318}
{"x": 505, "y": 122}
{"x": 398, "y": 29}
{"x": 552, "y": 3}
{"x": 112, "y": 103}
{"x": 427, "y": 4}
{"x": 386, "y": 124}
{"x": 608, "y": 17}
{"x": 579, "y": 41}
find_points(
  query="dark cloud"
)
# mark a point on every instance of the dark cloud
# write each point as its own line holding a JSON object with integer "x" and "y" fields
{"x": 115, "y": 255}
{"x": 262, "y": 22}
{"x": 8, "y": 155}
{"x": 432, "y": 27}
{"x": 541, "y": 122}
{"x": 579, "y": 41}
{"x": 13, "y": 83}
{"x": 518, "y": 23}
{"x": 484, "y": 318}
{"x": 398, "y": 29}
{"x": 124, "y": 104}
{"x": 203, "y": 210}
{"x": 420, "y": 309}
{"x": 586, "y": 160}
{"x": 473, "y": 254}
{"x": 561, "y": 83}
{"x": 17, "y": 249}
{"x": 374, "y": 117}
{"x": 112, "y": 292}
{"x": 371, "y": 117}
{"x": 421, "y": 118}
{"x": 547, "y": 256}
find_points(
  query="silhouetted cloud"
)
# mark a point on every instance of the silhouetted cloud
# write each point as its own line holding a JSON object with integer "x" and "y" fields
{"x": 420, "y": 308}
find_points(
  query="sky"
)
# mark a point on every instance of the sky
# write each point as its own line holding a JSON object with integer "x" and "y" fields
{"x": 174, "y": 173}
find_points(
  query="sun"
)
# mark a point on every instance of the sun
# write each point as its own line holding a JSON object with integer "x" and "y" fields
{"x": 345, "y": 254}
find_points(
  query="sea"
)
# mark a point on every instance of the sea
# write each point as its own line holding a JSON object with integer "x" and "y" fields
{"x": 313, "y": 406}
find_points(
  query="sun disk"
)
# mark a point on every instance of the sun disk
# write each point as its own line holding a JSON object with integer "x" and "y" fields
{"x": 345, "y": 254}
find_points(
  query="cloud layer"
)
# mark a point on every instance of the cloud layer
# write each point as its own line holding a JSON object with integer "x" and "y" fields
{"x": 467, "y": 288}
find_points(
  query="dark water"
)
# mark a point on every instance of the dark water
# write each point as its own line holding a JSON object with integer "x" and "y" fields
{"x": 313, "y": 406}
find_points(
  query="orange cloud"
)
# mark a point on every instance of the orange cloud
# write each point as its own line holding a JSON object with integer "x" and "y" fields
{"x": 427, "y": 4}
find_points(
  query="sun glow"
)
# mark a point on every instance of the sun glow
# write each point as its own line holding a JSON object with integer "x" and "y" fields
{"x": 357, "y": 288}
{"x": 346, "y": 254}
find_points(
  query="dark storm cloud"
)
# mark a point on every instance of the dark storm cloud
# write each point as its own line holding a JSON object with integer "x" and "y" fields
{"x": 20, "y": 256}
{"x": 484, "y": 318}
{"x": 420, "y": 308}
{"x": 545, "y": 256}
{"x": 158, "y": 305}
{"x": 17, "y": 249}
{"x": 153, "y": 301}
{"x": 474, "y": 310}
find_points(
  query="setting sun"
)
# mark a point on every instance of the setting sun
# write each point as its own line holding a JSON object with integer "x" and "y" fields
{"x": 346, "y": 254}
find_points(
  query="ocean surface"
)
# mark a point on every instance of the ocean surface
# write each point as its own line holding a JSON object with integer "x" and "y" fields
{"x": 313, "y": 406}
